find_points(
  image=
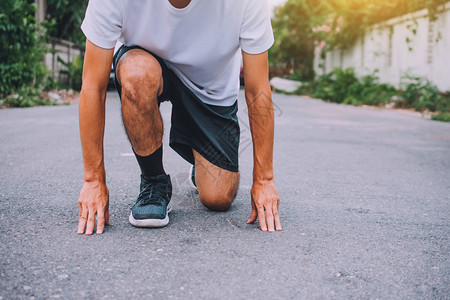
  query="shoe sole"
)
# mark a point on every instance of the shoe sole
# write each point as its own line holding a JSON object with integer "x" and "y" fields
{"x": 191, "y": 183}
{"x": 150, "y": 223}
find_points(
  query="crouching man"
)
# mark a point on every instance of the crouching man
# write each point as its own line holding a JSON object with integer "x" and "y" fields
{"x": 187, "y": 52}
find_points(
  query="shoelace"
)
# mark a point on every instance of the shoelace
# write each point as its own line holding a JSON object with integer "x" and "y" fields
{"x": 152, "y": 193}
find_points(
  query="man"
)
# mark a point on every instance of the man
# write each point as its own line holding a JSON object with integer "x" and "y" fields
{"x": 186, "y": 52}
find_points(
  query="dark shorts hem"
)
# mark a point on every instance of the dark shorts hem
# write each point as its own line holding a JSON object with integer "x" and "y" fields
{"x": 184, "y": 148}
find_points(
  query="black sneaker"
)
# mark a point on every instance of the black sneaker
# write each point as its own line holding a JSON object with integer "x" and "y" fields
{"x": 191, "y": 178}
{"x": 153, "y": 204}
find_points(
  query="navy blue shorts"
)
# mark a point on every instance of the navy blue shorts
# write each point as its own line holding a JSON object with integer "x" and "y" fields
{"x": 213, "y": 131}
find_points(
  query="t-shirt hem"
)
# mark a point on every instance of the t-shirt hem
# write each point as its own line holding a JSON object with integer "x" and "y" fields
{"x": 227, "y": 101}
{"x": 223, "y": 102}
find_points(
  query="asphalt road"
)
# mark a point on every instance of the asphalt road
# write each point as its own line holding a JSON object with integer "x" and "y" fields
{"x": 365, "y": 207}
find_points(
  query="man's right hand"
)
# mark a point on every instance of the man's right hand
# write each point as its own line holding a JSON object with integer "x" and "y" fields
{"x": 93, "y": 200}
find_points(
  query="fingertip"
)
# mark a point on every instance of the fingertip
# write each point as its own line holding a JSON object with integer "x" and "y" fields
{"x": 100, "y": 229}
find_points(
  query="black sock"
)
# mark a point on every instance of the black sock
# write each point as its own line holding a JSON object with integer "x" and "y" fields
{"x": 151, "y": 165}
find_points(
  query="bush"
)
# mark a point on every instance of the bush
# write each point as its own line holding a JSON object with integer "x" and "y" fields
{"x": 302, "y": 75}
{"x": 343, "y": 86}
{"x": 27, "y": 97}
{"x": 74, "y": 72}
{"x": 20, "y": 52}
{"x": 444, "y": 117}
{"x": 335, "y": 86}
{"x": 421, "y": 95}
{"x": 369, "y": 91}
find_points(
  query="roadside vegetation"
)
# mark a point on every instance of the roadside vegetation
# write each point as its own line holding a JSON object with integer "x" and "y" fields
{"x": 299, "y": 26}
{"x": 20, "y": 52}
{"x": 25, "y": 80}
{"x": 343, "y": 86}
{"x": 302, "y": 25}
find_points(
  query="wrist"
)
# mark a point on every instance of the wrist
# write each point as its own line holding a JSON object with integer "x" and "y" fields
{"x": 95, "y": 176}
{"x": 262, "y": 176}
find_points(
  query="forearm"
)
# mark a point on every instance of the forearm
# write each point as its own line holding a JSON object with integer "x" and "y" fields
{"x": 265, "y": 199}
{"x": 261, "y": 119}
{"x": 92, "y": 125}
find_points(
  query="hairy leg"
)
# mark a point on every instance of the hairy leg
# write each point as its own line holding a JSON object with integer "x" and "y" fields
{"x": 217, "y": 187}
{"x": 140, "y": 76}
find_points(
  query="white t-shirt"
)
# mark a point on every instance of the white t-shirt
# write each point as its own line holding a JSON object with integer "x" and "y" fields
{"x": 201, "y": 43}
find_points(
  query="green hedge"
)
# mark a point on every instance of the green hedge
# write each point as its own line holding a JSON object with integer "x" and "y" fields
{"x": 20, "y": 53}
{"x": 343, "y": 86}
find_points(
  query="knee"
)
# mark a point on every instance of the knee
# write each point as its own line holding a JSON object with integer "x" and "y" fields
{"x": 140, "y": 76}
{"x": 217, "y": 201}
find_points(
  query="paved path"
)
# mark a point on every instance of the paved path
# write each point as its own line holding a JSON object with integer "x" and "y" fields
{"x": 365, "y": 211}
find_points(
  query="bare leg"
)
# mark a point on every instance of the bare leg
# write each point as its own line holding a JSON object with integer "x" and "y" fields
{"x": 140, "y": 76}
{"x": 217, "y": 187}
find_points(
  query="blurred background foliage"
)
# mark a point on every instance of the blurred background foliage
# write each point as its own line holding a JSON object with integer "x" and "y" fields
{"x": 20, "y": 47}
{"x": 343, "y": 86}
{"x": 300, "y": 25}
{"x": 64, "y": 18}
{"x": 23, "y": 45}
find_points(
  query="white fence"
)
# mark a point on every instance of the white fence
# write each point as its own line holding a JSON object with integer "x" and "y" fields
{"x": 67, "y": 51}
{"x": 395, "y": 51}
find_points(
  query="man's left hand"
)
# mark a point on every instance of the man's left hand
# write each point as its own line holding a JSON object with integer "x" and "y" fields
{"x": 265, "y": 204}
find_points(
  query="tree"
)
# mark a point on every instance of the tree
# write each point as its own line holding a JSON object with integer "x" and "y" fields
{"x": 300, "y": 25}
{"x": 351, "y": 18}
{"x": 293, "y": 26}
{"x": 64, "y": 18}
